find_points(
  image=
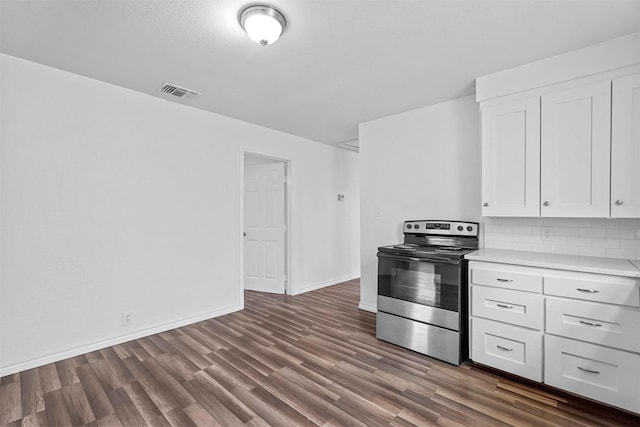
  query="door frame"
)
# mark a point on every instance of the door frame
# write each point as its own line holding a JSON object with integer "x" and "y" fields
{"x": 288, "y": 214}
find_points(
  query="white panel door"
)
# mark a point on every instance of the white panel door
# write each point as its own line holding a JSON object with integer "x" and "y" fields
{"x": 625, "y": 148}
{"x": 264, "y": 218}
{"x": 511, "y": 159}
{"x": 575, "y": 145}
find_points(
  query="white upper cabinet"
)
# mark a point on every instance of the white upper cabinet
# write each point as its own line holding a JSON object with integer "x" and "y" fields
{"x": 625, "y": 148}
{"x": 510, "y": 158}
{"x": 575, "y": 152}
{"x": 581, "y": 109}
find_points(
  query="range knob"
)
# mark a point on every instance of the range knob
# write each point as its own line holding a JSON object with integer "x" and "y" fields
{"x": 416, "y": 226}
{"x": 469, "y": 228}
{"x": 460, "y": 228}
{"x": 409, "y": 225}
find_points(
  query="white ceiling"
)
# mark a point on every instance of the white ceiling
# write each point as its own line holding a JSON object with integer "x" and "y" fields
{"x": 339, "y": 62}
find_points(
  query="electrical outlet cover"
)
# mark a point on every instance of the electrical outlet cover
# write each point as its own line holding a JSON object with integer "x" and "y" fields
{"x": 127, "y": 318}
{"x": 546, "y": 234}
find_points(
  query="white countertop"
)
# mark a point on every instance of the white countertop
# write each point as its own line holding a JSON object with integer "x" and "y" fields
{"x": 617, "y": 267}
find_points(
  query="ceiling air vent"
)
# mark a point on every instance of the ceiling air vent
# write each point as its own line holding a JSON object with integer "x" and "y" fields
{"x": 177, "y": 91}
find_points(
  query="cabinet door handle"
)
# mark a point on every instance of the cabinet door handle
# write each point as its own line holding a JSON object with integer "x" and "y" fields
{"x": 504, "y": 280}
{"x": 485, "y": 204}
{"x": 619, "y": 202}
{"x": 504, "y": 348}
{"x": 588, "y": 370}
{"x": 504, "y": 306}
{"x": 546, "y": 204}
{"x": 587, "y": 291}
{"x": 597, "y": 325}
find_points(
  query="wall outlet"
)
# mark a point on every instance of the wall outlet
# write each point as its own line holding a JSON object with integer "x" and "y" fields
{"x": 127, "y": 318}
{"x": 546, "y": 234}
{"x": 376, "y": 211}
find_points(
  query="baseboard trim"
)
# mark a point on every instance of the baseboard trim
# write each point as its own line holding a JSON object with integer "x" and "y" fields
{"x": 321, "y": 285}
{"x": 56, "y": 357}
{"x": 367, "y": 307}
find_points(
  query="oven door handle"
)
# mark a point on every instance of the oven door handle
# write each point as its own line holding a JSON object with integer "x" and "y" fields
{"x": 433, "y": 260}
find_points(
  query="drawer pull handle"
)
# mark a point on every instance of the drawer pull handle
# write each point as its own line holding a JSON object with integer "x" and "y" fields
{"x": 587, "y": 291}
{"x": 504, "y": 280}
{"x": 588, "y": 370}
{"x": 597, "y": 325}
{"x": 504, "y": 306}
{"x": 504, "y": 348}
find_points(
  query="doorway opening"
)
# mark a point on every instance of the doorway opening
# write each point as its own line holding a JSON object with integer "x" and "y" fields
{"x": 265, "y": 226}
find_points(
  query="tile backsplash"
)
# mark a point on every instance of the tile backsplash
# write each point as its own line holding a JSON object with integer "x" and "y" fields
{"x": 609, "y": 238}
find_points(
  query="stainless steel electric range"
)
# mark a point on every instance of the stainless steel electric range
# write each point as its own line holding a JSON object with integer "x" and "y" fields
{"x": 422, "y": 289}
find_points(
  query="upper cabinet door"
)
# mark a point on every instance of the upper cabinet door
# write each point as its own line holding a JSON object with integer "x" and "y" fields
{"x": 625, "y": 148}
{"x": 575, "y": 168}
{"x": 511, "y": 159}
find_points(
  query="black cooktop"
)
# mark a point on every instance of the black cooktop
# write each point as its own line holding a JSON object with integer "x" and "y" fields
{"x": 417, "y": 251}
{"x": 438, "y": 240}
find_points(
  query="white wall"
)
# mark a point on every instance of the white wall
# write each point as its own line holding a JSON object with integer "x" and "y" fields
{"x": 423, "y": 164}
{"x": 113, "y": 200}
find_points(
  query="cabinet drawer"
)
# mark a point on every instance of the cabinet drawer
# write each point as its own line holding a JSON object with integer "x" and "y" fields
{"x": 506, "y": 305}
{"x": 505, "y": 277}
{"x": 608, "y": 325}
{"x": 611, "y": 376}
{"x": 595, "y": 287}
{"x": 506, "y": 347}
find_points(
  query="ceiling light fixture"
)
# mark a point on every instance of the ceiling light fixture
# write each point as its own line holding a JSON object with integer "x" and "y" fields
{"x": 263, "y": 23}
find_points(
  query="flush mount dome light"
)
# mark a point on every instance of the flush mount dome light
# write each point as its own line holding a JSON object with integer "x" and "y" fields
{"x": 263, "y": 23}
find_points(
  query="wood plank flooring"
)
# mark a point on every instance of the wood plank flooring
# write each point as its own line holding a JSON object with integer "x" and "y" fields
{"x": 304, "y": 360}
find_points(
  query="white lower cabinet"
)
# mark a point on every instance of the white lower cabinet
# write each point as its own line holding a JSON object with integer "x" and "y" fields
{"x": 505, "y": 305}
{"x": 506, "y": 276}
{"x": 576, "y": 331}
{"x": 593, "y": 287}
{"x": 507, "y": 318}
{"x": 605, "y": 324}
{"x": 593, "y": 371}
{"x": 507, "y": 347}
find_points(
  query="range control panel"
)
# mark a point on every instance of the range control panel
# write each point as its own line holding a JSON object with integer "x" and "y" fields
{"x": 447, "y": 228}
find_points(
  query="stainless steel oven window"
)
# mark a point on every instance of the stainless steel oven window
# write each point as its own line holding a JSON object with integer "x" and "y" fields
{"x": 420, "y": 286}
{"x": 424, "y": 282}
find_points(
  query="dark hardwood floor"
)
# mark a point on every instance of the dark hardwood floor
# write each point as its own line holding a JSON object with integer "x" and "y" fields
{"x": 305, "y": 360}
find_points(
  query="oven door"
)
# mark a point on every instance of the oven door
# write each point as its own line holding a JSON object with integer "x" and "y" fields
{"x": 421, "y": 289}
